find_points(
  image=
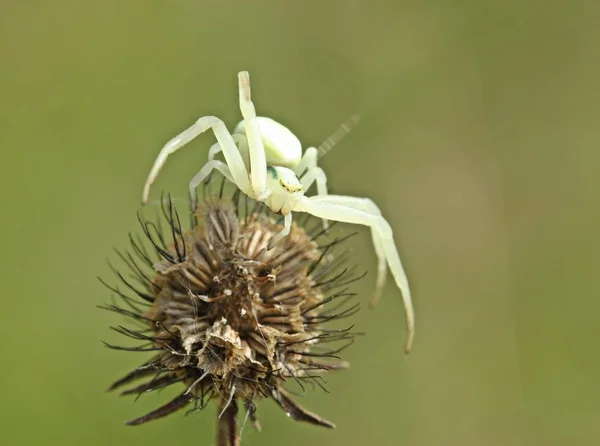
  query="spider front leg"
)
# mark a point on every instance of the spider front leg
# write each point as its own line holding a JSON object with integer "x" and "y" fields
{"x": 367, "y": 205}
{"x": 258, "y": 159}
{"x": 364, "y": 212}
{"x": 230, "y": 151}
{"x": 313, "y": 173}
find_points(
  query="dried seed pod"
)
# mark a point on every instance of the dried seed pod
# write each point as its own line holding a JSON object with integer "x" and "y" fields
{"x": 229, "y": 318}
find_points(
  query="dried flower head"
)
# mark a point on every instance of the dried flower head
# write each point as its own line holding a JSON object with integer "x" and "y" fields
{"x": 229, "y": 318}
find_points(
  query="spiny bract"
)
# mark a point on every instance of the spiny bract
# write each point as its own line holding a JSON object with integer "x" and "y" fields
{"x": 229, "y": 318}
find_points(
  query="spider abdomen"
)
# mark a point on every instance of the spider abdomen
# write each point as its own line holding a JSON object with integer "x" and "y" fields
{"x": 282, "y": 147}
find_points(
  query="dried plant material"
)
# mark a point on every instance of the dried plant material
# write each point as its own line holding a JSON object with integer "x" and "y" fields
{"x": 227, "y": 318}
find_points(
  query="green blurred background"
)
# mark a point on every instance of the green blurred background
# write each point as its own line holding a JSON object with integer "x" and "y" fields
{"x": 480, "y": 144}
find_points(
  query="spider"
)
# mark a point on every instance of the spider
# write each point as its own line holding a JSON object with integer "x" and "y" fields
{"x": 279, "y": 177}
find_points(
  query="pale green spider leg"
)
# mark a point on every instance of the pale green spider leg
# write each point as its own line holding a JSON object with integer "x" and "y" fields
{"x": 258, "y": 159}
{"x": 313, "y": 173}
{"x": 256, "y": 150}
{"x": 354, "y": 210}
{"x": 215, "y": 149}
{"x": 287, "y": 226}
{"x": 232, "y": 155}
{"x": 368, "y": 205}
{"x": 203, "y": 174}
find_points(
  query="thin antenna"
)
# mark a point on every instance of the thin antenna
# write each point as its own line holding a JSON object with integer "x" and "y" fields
{"x": 346, "y": 127}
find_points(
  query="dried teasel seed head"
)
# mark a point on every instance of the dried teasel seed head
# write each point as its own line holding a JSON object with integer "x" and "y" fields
{"x": 229, "y": 319}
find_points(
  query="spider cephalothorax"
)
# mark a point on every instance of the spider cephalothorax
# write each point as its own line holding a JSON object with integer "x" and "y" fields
{"x": 264, "y": 160}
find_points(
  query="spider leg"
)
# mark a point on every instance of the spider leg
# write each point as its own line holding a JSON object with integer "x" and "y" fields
{"x": 364, "y": 212}
{"x": 287, "y": 226}
{"x": 367, "y": 205}
{"x": 215, "y": 149}
{"x": 309, "y": 159}
{"x": 205, "y": 173}
{"x": 313, "y": 173}
{"x": 230, "y": 151}
{"x": 258, "y": 159}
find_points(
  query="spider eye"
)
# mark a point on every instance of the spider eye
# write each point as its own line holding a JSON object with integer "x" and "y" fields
{"x": 286, "y": 178}
{"x": 291, "y": 187}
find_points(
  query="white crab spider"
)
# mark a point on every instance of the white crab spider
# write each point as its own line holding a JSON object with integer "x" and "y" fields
{"x": 279, "y": 176}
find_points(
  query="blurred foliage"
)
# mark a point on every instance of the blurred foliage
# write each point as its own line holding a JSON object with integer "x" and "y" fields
{"x": 479, "y": 142}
